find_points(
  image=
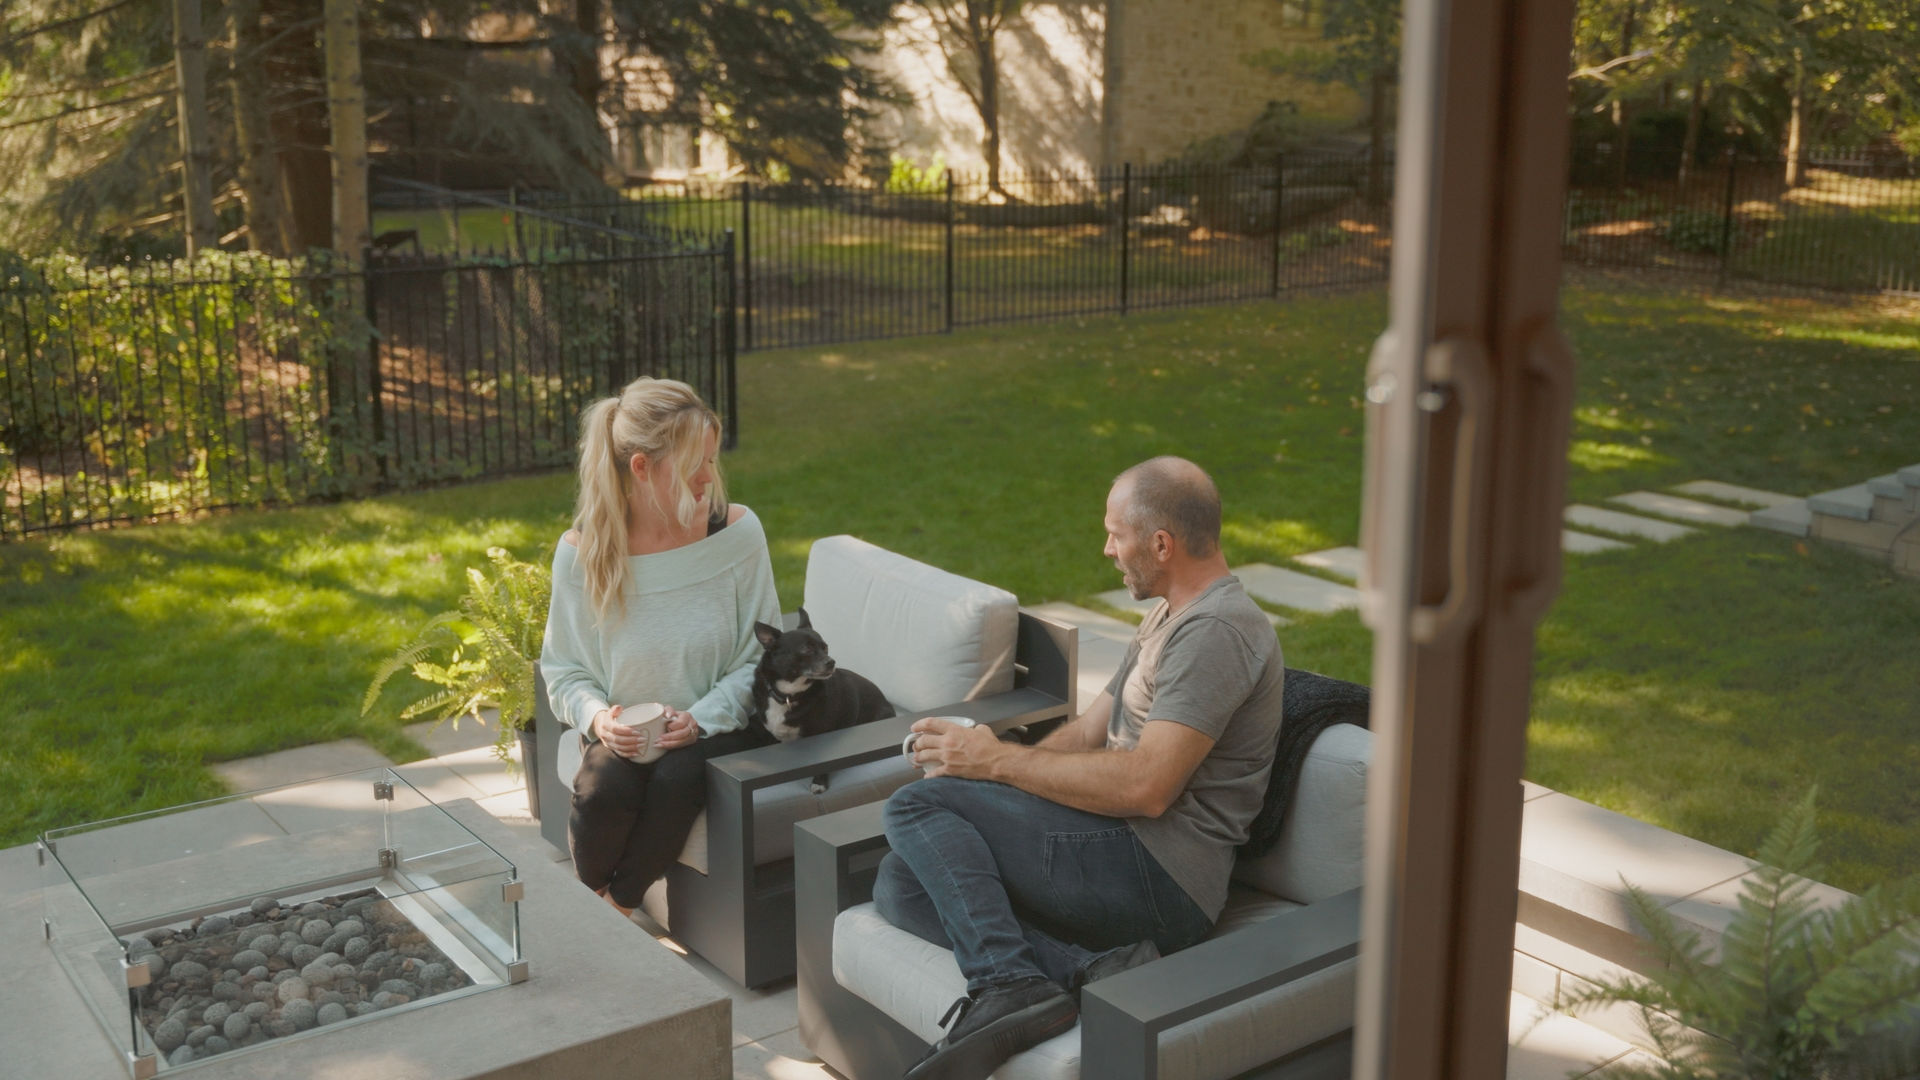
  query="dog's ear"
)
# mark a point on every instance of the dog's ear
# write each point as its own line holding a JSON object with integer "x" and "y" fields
{"x": 767, "y": 634}
{"x": 805, "y": 623}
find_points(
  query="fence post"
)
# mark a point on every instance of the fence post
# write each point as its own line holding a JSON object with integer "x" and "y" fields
{"x": 374, "y": 381}
{"x": 746, "y": 263}
{"x": 1279, "y": 202}
{"x": 1726, "y": 220}
{"x": 1126, "y": 230}
{"x": 949, "y": 280}
{"x": 728, "y": 352}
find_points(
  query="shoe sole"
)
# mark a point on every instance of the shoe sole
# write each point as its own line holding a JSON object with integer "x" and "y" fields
{"x": 976, "y": 1056}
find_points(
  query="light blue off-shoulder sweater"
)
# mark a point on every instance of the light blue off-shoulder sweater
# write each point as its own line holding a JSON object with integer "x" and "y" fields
{"x": 686, "y": 639}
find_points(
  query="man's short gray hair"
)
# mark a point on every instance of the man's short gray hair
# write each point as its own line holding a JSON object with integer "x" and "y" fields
{"x": 1174, "y": 494}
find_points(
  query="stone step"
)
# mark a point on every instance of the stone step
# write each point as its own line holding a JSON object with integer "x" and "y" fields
{"x": 1341, "y": 561}
{"x": 1687, "y": 510}
{"x": 1910, "y": 476}
{"x": 1854, "y": 502}
{"x": 1613, "y": 521}
{"x": 1580, "y": 543}
{"x": 1889, "y": 486}
{"x": 1122, "y": 599}
{"x": 1090, "y": 622}
{"x": 1792, "y": 518}
{"x": 1290, "y": 588}
{"x": 1734, "y": 493}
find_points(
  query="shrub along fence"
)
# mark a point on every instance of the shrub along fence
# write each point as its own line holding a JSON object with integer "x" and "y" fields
{"x": 151, "y": 390}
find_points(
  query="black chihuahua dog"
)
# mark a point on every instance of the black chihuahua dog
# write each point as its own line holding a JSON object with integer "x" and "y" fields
{"x": 799, "y": 691}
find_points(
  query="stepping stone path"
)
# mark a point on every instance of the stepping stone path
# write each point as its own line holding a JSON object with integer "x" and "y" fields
{"x": 1122, "y": 599}
{"x": 1340, "y": 562}
{"x": 1613, "y": 521}
{"x": 1290, "y": 588}
{"x": 1580, "y": 543}
{"x": 1734, "y": 493}
{"x": 1688, "y": 510}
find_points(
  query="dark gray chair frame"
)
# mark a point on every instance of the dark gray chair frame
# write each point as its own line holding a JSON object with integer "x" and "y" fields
{"x": 739, "y": 915}
{"x": 1121, "y": 1018}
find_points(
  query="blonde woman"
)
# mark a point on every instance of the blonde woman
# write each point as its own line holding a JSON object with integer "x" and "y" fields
{"x": 655, "y": 592}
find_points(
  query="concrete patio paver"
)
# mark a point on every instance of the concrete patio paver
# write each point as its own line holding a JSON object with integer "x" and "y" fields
{"x": 1548, "y": 1046}
{"x": 1088, "y": 620}
{"x": 1688, "y": 510}
{"x": 1124, "y": 600}
{"x": 299, "y": 764}
{"x": 1794, "y": 518}
{"x": 1341, "y": 561}
{"x": 1613, "y": 521}
{"x": 1290, "y": 588}
{"x": 1580, "y": 543}
{"x": 1714, "y": 489}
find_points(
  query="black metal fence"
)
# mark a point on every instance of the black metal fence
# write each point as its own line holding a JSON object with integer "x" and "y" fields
{"x": 151, "y": 390}
{"x": 823, "y": 263}
{"x": 1851, "y": 223}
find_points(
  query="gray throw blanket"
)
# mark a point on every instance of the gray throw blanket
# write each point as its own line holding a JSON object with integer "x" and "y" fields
{"x": 1310, "y": 704}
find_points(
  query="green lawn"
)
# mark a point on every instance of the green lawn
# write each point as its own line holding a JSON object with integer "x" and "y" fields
{"x": 1700, "y": 685}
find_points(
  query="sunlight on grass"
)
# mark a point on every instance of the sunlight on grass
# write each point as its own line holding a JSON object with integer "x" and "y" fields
{"x": 1608, "y": 457}
{"x": 1277, "y": 539}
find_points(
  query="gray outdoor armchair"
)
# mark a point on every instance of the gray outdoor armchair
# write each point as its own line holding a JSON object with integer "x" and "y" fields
{"x": 1270, "y": 993}
{"x": 936, "y": 643}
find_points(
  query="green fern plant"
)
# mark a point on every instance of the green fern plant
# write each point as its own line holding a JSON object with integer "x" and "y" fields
{"x": 1799, "y": 992}
{"x": 480, "y": 654}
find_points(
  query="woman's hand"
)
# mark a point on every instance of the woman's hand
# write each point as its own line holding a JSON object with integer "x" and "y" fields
{"x": 681, "y": 730}
{"x": 618, "y": 738}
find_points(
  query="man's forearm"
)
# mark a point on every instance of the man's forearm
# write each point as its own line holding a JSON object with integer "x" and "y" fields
{"x": 1099, "y": 783}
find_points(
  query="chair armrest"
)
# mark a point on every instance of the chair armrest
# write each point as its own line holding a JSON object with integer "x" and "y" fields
{"x": 1122, "y": 1017}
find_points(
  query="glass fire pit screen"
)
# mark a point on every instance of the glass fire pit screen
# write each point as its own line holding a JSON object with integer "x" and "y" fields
{"x": 229, "y": 926}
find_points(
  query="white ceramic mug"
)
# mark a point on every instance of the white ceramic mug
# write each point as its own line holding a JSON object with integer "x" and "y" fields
{"x": 649, "y": 721}
{"x": 912, "y": 742}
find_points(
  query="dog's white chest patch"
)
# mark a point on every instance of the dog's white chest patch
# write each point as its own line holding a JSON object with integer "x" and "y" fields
{"x": 777, "y": 722}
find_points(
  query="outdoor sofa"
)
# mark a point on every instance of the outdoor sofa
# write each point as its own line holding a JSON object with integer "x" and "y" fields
{"x": 936, "y": 643}
{"x": 1269, "y": 993}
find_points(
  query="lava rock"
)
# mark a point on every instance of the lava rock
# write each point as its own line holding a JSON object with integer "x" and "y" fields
{"x": 236, "y": 1027}
{"x": 318, "y": 973}
{"x": 314, "y": 910}
{"x": 351, "y": 927}
{"x": 280, "y": 1029}
{"x": 170, "y": 1035}
{"x": 299, "y": 1013}
{"x": 244, "y": 918}
{"x": 216, "y": 1044}
{"x": 181, "y": 1056}
{"x": 315, "y": 931}
{"x": 266, "y": 945}
{"x": 198, "y": 1036}
{"x": 304, "y": 954}
{"x": 262, "y": 992}
{"x": 283, "y": 976}
{"x": 189, "y": 971}
{"x": 253, "y": 958}
{"x": 263, "y": 905}
{"x": 432, "y": 973}
{"x": 387, "y": 1000}
{"x": 329, "y": 997}
{"x": 216, "y": 1014}
{"x": 362, "y": 1008}
{"x": 399, "y": 986}
{"x": 158, "y": 935}
{"x": 215, "y": 924}
{"x": 356, "y": 950}
{"x": 257, "y": 1010}
{"x": 156, "y": 964}
{"x": 293, "y": 989}
{"x": 256, "y": 973}
{"x": 332, "y": 1014}
{"x": 138, "y": 947}
{"x": 226, "y": 990}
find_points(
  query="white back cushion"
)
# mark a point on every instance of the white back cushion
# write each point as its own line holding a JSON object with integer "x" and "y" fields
{"x": 926, "y": 637}
{"x": 1319, "y": 853}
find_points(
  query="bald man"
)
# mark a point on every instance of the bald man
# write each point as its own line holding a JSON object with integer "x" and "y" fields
{"x": 1044, "y": 868}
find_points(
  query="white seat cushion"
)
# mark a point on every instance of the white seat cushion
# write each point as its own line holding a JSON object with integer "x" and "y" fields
{"x": 777, "y": 808}
{"x": 914, "y": 982}
{"x": 926, "y": 637}
{"x": 1319, "y": 852}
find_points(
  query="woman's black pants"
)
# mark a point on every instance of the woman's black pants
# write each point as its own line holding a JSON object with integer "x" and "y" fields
{"x": 630, "y": 820}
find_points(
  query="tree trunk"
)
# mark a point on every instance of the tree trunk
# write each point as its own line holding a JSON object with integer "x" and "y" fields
{"x": 259, "y": 174}
{"x": 1622, "y": 116}
{"x": 586, "y": 78}
{"x": 1691, "y": 144}
{"x": 990, "y": 112}
{"x": 196, "y": 142}
{"x": 1377, "y": 138}
{"x": 1797, "y": 123}
{"x": 347, "y": 126}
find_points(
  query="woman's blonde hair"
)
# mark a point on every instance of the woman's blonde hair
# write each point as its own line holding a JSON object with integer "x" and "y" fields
{"x": 663, "y": 419}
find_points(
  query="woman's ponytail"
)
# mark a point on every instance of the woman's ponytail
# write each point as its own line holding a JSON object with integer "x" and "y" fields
{"x": 600, "y": 516}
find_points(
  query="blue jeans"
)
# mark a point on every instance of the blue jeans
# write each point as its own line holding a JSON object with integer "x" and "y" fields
{"x": 1018, "y": 886}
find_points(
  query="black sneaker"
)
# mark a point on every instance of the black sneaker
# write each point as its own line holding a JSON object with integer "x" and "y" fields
{"x": 1115, "y": 961}
{"x": 992, "y": 1027}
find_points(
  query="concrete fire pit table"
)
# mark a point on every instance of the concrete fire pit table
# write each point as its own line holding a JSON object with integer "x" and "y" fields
{"x": 600, "y": 997}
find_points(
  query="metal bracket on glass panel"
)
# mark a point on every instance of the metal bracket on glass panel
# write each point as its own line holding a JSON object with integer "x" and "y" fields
{"x": 390, "y": 858}
{"x": 142, "y": 1066}
{"x": 513, "y": 891}
{"x": 46, "y": 927}
{"x": 383, "y": 790}
{"x": 40, "y": 852}
{"x": 137, "y": 972}
{"x": 517, "y": 972}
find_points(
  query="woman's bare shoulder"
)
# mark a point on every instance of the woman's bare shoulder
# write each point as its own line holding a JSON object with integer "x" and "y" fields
{"x": 735, "y": 512}
{"x": 571, "y": 539}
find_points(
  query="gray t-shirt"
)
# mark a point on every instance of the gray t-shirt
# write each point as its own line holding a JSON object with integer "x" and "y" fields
{"x": 1215, "y": 667}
